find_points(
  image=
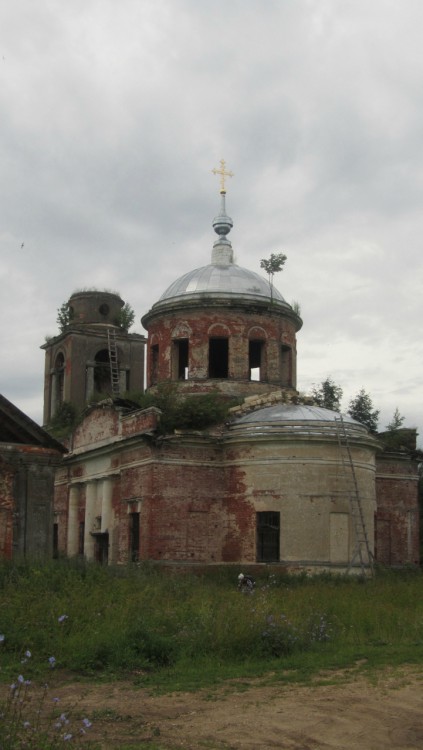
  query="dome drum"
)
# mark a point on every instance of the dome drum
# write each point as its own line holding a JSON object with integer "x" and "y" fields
{"x": 239, "y": 353}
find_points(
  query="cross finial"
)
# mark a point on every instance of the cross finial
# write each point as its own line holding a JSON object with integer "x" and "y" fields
{"x": 223, "y": 173}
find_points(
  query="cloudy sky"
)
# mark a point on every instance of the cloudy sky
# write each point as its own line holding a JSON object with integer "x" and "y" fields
{"x": 112, "y": 116}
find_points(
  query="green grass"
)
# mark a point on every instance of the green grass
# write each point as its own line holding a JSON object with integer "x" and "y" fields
{"x": 171, "y": 631}
{"x": 177, "y": 630}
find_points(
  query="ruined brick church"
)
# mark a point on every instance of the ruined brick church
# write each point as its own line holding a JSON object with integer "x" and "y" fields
{"x": 282, "y": 481}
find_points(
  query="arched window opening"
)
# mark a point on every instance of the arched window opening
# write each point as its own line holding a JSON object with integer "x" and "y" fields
{"x": 180, "y": 359}
{"x": 102, "y": 375}
{"x": 154, "y": 363}
{"x": 57, "y": 384}
{"x": 218, "y": 358}
{"x": 286, "y": 365}
{"x": 255, "y": 360}
{"x": 59, "y": 369}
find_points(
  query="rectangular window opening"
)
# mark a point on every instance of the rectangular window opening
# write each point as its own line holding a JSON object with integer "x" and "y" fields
{"x": 268, "y": 534}
{"x": 218, "y": 358}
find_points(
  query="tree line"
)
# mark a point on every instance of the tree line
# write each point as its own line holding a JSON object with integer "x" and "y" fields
{"x": 329, "y": 395}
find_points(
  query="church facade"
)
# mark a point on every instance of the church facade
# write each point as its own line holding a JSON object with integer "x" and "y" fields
{"x": 281, "y": 481}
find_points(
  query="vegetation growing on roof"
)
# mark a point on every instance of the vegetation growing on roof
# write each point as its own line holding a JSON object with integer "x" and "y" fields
{"x": 273, "y": 265}
{"x": 361, "y": 409}
{"x": 125, "y": 317}
{"x": 64, "y": 316}
{"x": 193, "y": 413}
{"x": 328, "y": 394}
{"x": 95, "y": 289}
{"x": 296, "y": 306}
{"x": 64, "y": 420}
{"x": 396, "y": 421}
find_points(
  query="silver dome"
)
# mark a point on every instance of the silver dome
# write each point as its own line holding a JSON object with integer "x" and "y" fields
{"x": 221, "y": 280}
{"x": 299, "y": 420}
{"x": 295, "y": 413}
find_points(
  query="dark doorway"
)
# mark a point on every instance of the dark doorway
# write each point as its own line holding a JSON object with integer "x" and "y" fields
{"x": 134, "y": 537}
{"x": 101, "y": 548}
{"x": 218, "y": 358}
{"x": 268, "y": 533}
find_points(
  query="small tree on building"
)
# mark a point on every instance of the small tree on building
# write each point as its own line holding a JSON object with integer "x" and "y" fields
{"x": 328, "y": 394}
{"x": 361, "y": 409}
{"x": 126, "y": 317}
{"x": 273, "y": 265}
{"x": 64, "y": 316}
{"x": 396, "y": 421}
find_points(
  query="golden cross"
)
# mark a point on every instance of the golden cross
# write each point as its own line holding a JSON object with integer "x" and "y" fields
{"x": 223, "y": 173}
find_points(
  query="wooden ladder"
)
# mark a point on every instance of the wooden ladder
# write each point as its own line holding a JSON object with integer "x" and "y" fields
{"x": 361, "y": 551}
{"x": 113, "y": 359}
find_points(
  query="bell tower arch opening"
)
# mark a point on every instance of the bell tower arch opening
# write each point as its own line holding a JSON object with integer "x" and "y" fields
{"x": 57, "y": 385}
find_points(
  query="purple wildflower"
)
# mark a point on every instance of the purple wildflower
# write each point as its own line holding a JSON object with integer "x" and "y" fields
{"x": 62, "y": 618}
{"x": 52, "y": 661}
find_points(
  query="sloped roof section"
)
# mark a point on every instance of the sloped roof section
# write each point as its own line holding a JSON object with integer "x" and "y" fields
{"x": 17, "y": 428}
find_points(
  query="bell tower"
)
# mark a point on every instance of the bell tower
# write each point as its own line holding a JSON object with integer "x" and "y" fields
{"x": 93, "y": 354}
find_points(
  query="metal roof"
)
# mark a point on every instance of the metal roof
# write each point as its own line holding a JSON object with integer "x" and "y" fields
{"x": 295, "y": 413}
{"x": 221, "y": 280}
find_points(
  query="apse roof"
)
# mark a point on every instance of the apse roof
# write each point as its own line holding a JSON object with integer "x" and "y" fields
{"x": 299, "y": 419}
{"x": 295, "y": 413}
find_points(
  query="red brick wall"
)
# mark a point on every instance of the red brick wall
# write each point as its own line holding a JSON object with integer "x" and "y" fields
{"x": 6, "y": 510}
{"x": 239, "y": 326}
{"x": 397, "y": 517}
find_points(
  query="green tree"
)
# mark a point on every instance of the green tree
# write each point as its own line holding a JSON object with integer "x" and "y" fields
{"x": 126, "y": 317}
{"x": 328, "y": 394}
{"x": 64, "y": 316}
{"x": 273, "y": 265}
{"x": 396, "y": 421}
{"x": 296, "y": 307}
{"x": 361, "y": 409}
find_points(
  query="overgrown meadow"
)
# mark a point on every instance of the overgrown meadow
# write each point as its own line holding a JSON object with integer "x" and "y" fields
{"x": 181, "y": 629}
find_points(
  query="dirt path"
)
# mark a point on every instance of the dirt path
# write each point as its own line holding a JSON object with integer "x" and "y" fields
{"x": 353, "y": 715}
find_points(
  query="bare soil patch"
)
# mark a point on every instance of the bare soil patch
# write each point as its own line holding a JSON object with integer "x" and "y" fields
{"x": 340, "y": 711}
